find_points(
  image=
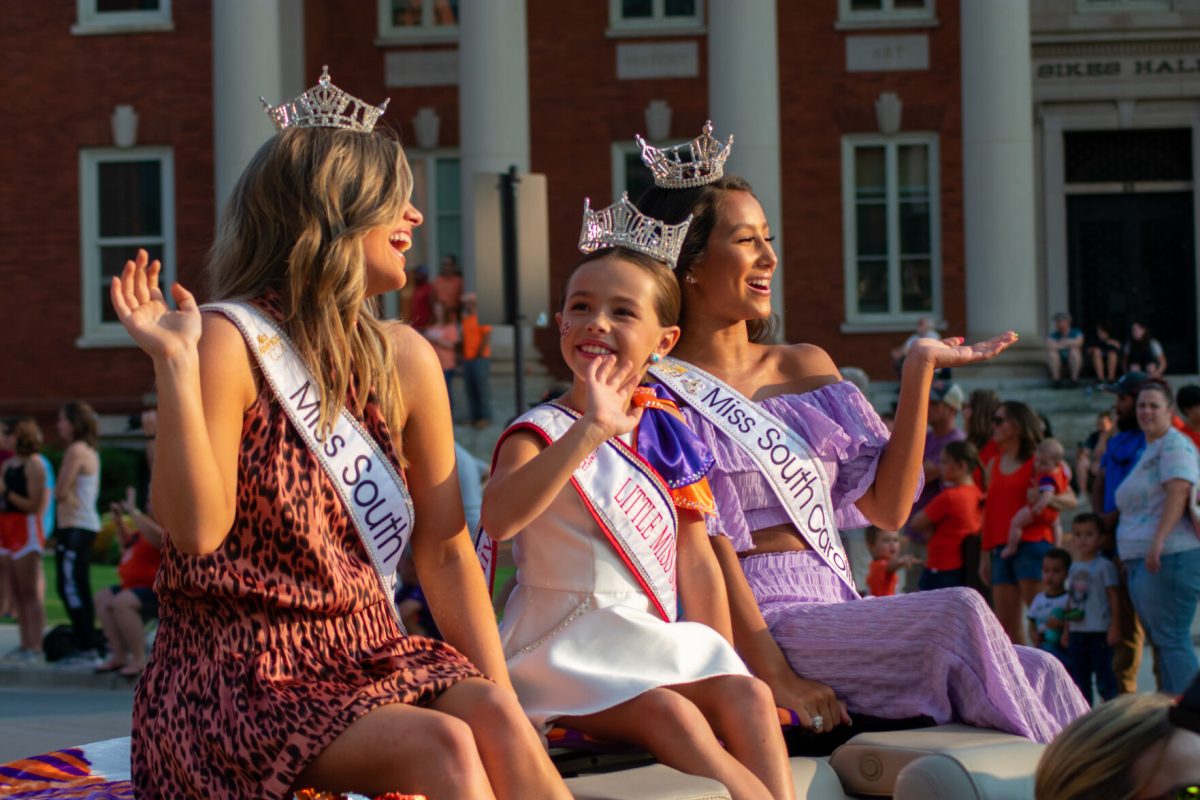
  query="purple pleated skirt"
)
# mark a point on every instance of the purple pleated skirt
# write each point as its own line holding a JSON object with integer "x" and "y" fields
{"x": 940, "y": 654}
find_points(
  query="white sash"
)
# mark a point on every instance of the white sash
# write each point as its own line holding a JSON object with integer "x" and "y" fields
{"x": 795, "y": 474}
{"x": 627, "y": 498}
{"x": 372, "y": 491}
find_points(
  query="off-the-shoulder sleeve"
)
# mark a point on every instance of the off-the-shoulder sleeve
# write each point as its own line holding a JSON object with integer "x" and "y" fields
{"x": 856, "y": 452}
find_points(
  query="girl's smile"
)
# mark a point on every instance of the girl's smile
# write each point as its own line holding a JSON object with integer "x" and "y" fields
{"x": 609, "y": 312}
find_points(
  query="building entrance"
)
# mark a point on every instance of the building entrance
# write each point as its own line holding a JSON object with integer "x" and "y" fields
{"x": 1131, "y": 251}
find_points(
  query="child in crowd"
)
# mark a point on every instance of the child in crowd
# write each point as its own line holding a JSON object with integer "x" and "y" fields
{"x": 1094, "y": 627}
{"x": 600, "y": 542}
{"x": 886, "y": 561}
{"x": 1049, "y": 478}
{"x": 953, "y": 514}
{"x": 1048, "y": 612}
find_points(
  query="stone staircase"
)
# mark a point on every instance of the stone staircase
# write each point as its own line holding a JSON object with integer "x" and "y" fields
{"x": 1072, "y": 412}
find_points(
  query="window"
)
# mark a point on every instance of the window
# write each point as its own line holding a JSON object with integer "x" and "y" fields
{"x": 437, "y": 193}
{"x": 126, "y": 201}
{"x": 629, "y": 173}
{"x": 890, "y": 228}
{"x": 122, "y": 16}
{"x": 885, "y": 12}
{"x": 418, "y": 20}
{"x": 655, "y": 16}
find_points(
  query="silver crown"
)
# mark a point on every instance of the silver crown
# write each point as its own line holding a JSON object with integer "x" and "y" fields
{"x": 325, "y": 106}
{"x": 622, "y": 225}
{"x": 706, "y": 162}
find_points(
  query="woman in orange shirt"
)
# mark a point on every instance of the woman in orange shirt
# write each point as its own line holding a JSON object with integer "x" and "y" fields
{"x": 1015, "y": 580}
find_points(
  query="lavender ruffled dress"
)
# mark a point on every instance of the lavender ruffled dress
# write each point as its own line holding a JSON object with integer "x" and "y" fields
{"x": 940, "y": 654}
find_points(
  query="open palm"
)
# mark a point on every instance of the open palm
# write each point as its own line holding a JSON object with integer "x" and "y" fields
{"x": 941, "y": 353}
{"x": 609, "y": 387}
{"x": 143, "y": 310}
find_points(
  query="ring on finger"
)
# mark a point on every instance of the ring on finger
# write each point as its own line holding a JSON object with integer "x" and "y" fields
{"x": 818, "y": 723}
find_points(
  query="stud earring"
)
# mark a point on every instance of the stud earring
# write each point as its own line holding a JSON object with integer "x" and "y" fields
{"x": 655, "y": 358}
{"x": 689, "y": 278}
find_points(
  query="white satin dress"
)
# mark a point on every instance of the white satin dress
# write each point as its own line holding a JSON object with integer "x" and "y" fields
{"x": 580, "y": 634}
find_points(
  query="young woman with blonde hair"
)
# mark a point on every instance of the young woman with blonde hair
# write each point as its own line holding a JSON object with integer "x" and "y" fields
{"x": 1125, "y": 749}
{"x": 280, "y": 662}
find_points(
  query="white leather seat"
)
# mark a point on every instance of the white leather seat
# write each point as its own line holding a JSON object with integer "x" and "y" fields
{"x": 870, "y": 763}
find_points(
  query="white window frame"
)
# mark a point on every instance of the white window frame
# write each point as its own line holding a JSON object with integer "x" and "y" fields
{"x": 620, "y": 176}
{"x": 894, "y": 319}
{"x": 1120, "y": 6}
{"x": 887, "y": 17}
{"x": 89, "y": 21}
{"x": 658, "y": 23}
{"x": 424, "y": 33}
{"x": 429, "y": 228}
{"x": 96, "y": 332}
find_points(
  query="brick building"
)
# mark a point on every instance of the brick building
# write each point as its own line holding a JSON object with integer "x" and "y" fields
{"x": 907, "y": 152}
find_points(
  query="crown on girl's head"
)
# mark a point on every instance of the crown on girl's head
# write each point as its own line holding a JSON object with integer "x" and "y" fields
{"x": 622, "y": 225}
{"x": 325, "y": 106}
{"x": 705, "y": 165}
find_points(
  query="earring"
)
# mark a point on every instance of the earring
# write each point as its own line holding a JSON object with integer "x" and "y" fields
{"x": 655, "y": 358}
{"x": 689, "y": 278}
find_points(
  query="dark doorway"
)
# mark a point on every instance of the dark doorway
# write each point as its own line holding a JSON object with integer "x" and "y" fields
{"x": 1131, "y": 256}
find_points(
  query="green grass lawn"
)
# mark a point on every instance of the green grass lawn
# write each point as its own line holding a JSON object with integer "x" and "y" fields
{"x": 56, "y": 614}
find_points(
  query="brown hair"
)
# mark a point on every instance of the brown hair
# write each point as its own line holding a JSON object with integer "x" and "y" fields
{"x": 1161, "y": 387}
{"x": 703, "y": 203}
{"x": 83, "y": 422}
{"x": 295, "y": 225}
{"x": 1029, "y": 427}
{"x": 667, "y": 301}
{"x": 984, "y": 403}
{"x": 27, "y": 436}
{"x": 963, "y": 452}
{"x": 1094, "y": 755}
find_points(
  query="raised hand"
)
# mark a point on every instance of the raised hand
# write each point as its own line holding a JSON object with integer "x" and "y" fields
{"x": 142, "y": 309}
{"x": 941, "y": 353}
{"x": 609, "y": 386}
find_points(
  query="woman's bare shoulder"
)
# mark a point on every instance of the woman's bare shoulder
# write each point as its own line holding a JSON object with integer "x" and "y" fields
{"x": 414, "y": 354}
{"x": 804, "y": 367}
{"x": 223, "y": 351}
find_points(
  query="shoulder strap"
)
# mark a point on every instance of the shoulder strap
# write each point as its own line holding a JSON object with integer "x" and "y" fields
{"x": 628, "y": 500}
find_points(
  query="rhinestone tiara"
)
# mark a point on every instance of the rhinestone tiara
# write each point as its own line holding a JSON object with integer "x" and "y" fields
{"x": 325, "y": 106}
{"x": 622, "y": 225}
{"x": 706, "y": 162}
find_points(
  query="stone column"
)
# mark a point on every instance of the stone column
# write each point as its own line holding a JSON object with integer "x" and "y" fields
{"x": 998, "y": 173}
{"x": 493, "y": 101}
{"x": 743, "y": 99}
{"x": 257, "y": 50}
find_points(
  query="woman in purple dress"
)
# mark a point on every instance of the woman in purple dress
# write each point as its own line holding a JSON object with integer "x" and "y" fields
{"x": 940, "y": 654}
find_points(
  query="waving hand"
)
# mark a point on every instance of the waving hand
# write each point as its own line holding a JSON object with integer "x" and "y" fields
{"x": 143, "y": 310}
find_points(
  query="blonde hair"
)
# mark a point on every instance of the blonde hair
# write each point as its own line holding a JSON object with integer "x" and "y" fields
{"x": 295, "y": 225}
{"x": 1094, "y": 755}
{"x": 1051, "y": 448}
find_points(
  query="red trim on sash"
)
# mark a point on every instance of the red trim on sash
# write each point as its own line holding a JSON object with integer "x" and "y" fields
{"x": 587, "y": 504}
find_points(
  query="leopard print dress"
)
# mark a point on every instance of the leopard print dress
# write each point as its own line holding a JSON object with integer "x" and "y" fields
{"x": 271, "y": 646}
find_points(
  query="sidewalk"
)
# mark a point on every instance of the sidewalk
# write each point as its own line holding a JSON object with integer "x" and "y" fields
{"x": 52, "y": 676}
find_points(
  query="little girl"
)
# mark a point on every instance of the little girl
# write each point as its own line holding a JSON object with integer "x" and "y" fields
{"x": 582, "y": 484}
{"x": 302, "y": 443}
{"x": 953, "y": 514}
